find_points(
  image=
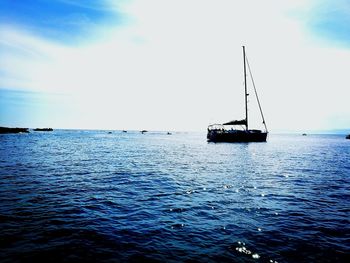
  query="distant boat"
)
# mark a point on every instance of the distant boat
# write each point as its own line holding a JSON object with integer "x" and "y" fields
{"x": 304, "y": 134}
{"x": 43, "y": 129}
{"x": 168, "y": 133}
{"x": 348, "y": 136}
{"x": 230, "y": 131}
{"x": 4, "y": 130}
{"x": 124, "y": 131}
{"x": 143, "y": 131}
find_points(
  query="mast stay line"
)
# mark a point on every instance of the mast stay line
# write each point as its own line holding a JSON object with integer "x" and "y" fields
{"x": 256, "y": 94}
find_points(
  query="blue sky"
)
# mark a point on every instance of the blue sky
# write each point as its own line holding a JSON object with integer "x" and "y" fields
{"x": 158, "y": 64}
{"x": 66, "y": 21}
{"x": 330, "y": 20}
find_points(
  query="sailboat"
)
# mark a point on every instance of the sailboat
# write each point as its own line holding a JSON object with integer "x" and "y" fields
{"x": 238, "y": 130}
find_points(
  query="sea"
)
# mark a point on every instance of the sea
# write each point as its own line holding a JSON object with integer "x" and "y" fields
{"x": 100, "y": 196}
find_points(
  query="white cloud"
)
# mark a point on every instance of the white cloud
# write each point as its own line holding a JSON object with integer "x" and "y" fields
{"x": 178, "y": 65}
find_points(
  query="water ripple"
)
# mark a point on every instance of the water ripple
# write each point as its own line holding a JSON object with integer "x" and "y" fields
{"x": 87, "y": 196}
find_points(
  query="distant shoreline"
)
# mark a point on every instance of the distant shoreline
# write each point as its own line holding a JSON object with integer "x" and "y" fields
{"x": 308, "y": 132}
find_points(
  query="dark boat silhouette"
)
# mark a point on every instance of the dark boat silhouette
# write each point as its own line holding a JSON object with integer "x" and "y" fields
{"x": 5, "y": 130}
{"x": 347, "y": 136}
{"x": 237, "y": 130}
{"x": 143, "y": 131}
{"x": 43, "y": 129}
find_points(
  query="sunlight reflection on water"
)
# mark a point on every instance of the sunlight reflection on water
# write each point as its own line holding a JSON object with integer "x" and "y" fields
{"x": 98, "y": 196}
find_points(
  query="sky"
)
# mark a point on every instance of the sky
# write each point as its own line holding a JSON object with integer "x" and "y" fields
{"x": 174, "y": 64}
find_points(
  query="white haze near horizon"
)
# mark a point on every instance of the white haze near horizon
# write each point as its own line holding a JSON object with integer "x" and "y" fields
{"x": 177, "y": 65}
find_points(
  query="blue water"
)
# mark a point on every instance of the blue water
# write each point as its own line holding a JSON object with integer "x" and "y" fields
{"x": 68, "y": 196}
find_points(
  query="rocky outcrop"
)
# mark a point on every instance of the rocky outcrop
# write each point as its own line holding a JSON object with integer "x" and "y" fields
{"x": 4, "y": 130}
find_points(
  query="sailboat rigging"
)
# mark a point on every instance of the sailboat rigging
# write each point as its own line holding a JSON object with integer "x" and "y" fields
{"x": 228, "y": 132}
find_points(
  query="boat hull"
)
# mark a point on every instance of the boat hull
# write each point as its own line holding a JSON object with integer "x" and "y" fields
{"x": 236, "y": 136}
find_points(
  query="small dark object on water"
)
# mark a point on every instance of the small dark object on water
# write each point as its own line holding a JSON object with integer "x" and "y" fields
{"x": 109, "y": 132}
{"x": 125, "y": 131}
{"x": 304, "y": 134}
{"x": 348, "y": 136}
{"x": 168, "y": 133}
{"x": 4, "y": 130}
{"x": 43, "y": 129}
{"x": 143, "y": 131}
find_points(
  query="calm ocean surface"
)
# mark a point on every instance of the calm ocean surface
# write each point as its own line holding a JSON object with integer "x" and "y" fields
{"x": 68, "y": 196}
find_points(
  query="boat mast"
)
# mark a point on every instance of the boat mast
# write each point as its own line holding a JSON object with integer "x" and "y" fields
{"x": 245, "y": 90}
